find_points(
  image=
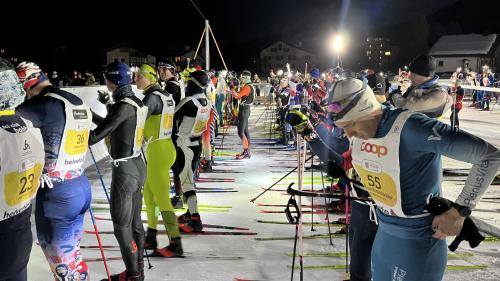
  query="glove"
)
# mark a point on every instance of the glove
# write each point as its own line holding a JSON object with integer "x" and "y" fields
{"x": 104, "y": 97}
{"x": 469, "y": 232}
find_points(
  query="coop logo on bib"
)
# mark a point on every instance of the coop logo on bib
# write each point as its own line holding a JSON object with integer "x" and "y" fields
{"x": 379, "y": 150}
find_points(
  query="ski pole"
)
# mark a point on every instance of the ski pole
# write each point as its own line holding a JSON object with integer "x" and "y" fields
{"x": 107, "y": 195}
{"x": 99, "y": 173}
{"x": 347, "y": 275}
{"x": 326, "y": 209}
{"x": 99, "y": 243}
{"x": 267, "y": 189}
{"x": 294, "y": 249}
{"x": 145, "y": 251}
{"x": 312, "y": 186}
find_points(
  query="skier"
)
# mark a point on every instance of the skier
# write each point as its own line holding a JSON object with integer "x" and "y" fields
{"x": 190, "y": 121}
{"x": 160, "y": 156}
{"x": 166, "y": 70}
{"x": 64, "y": 121}
{"x": 458, "y": 92}
{"x": 410, "y": 242}
{"x": 221, "y": 96}
{"x": 209, "y": 134}
{"x": 124, "y": 123}
{"x": 21, "y": 143}
{"x": 245, "y": 96}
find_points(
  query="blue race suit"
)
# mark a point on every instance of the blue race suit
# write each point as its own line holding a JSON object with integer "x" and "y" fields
{"x": 404, "y": 248}
{"x": 60, "y": 210}
{"x": 329, "y": 146}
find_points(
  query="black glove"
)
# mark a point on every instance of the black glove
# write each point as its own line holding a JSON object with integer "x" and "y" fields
{"x": 104, "y": 97}
{"x": 469, "y": 232}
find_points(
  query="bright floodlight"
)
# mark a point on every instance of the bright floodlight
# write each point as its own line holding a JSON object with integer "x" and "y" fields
{"x": 337, "y": 43}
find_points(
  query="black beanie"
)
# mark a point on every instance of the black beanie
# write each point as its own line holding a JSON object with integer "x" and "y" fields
{"x": 423, "y": 65}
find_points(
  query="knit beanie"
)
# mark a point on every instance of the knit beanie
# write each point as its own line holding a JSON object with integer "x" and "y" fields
{"x": 423, "y": 65}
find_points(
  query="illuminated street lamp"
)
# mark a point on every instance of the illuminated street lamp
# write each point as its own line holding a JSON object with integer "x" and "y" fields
{"x": 337, "y": 45}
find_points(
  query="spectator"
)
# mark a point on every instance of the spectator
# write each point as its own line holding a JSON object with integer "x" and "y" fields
{"x": 458, "y": 95}
{"x": 89, "y": 78}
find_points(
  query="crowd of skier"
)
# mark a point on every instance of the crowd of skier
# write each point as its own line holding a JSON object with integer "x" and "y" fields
{"x": 388, "y": 143}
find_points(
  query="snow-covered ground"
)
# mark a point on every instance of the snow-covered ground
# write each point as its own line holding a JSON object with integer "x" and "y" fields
{"x": 246, "y": 258}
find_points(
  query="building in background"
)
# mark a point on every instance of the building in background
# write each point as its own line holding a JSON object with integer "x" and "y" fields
{"x": 278, "y": 54}
{"x": 466, "y": 50}
{"x": 128, "y": 55}
{"x": 380, "y": 53}
{"x": 9, "y": 55}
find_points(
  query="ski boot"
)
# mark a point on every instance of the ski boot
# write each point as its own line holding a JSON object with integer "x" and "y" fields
{"x": 125, "y": 276}
{"x": 206, "y": 167}
{"x": 150, "y": 243}
{"x": 193, "y": 225}
{"x": 244, "y": 155}
{"x": 177, "y": 202}
{"x": 173, "y": 250}
{"x": 184, "y": 218}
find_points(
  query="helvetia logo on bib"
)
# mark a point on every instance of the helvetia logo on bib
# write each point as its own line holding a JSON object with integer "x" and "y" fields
{"x": 380, "y": 150}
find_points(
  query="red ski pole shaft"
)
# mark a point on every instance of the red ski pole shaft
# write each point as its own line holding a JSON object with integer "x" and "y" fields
{"x": 99, "y": 243}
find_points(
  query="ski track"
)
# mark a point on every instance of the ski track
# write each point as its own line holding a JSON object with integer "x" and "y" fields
{"x": 267, "y": 260}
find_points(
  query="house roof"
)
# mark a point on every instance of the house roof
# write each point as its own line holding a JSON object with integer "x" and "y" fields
{"x": 288, "y": 44}
{"x": 465, "y": 44}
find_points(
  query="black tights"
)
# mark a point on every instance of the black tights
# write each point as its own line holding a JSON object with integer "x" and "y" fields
{"x": 243, "y": 115}
{"x": 454, "y": 117}
{"x": 125, "y": 208}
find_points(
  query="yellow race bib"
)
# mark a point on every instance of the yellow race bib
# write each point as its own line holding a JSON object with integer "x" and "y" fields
{"x": 168, "y": 122}
{"x": 21, "y": 186}
{"x": 76, "y": 142}
{"x": 380, "y": 186}
{"x": 200, "y": 126}
{"x": 139, "y": 137}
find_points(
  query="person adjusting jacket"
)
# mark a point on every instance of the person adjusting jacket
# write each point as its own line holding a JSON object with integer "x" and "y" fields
{"x": 425, "y": 95}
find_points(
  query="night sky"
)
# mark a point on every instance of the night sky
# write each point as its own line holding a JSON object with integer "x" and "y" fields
{"x": 74, "y": 34}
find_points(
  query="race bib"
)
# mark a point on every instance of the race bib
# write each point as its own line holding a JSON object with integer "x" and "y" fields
{"x": 76, "y": 142}
{"x": 200, "y": 126}
{"x": 139, "y": 137}
{"x": 380, "y": 186}
{"x": 168, "y": 122}
{"x": 21, "y": 186}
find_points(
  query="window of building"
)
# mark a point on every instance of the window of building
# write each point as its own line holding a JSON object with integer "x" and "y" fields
{"x": 286, "y": 49}
{"x": 440, "y": 63}
{"x": 289, "y": 57}
{"x": 279, "y": 46}
{"x": 273, "y": 50}
{"x": 307, "y": 57}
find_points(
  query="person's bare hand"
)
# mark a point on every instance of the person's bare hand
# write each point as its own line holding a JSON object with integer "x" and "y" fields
{"x": 449, "y": 223}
